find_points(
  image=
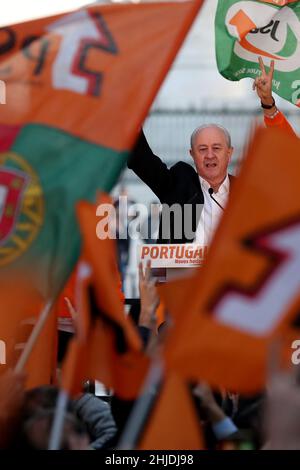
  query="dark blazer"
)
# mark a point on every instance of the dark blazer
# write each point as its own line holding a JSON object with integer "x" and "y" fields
{"x": 176, "y": 185}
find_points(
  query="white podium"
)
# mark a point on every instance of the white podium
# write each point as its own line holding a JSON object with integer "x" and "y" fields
{"x": 172, "y": 261}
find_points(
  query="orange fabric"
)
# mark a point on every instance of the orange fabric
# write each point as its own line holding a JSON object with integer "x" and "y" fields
{"x": 174, "y": 423}
{"x": 20, "y": 306}
{"x": 70, "y": 292}
{"x": 114, "y": 49}
{"x": 42, "y": 363}
{"x": 280, "y": 122}
{"x": 101, "y": 255}
{"x": 94, "y": 353}
{"x": 176, "y": 304}
{"x": 264, "y": 200}
{"x": 160, "y": 314}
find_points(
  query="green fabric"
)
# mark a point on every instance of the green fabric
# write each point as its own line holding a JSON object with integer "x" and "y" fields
{"x": 69, "y": 170}
{"x": 277, "y": 34}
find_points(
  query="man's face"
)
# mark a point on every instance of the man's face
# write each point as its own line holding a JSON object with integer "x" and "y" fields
{"x": 211, "y": 154}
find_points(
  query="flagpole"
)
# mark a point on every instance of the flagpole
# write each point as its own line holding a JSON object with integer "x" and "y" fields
{"x": 58, "y": 422}
{"x": 62, "y": 399}
{"x": 34, "y": 336}
{"x": 137, "y": 419}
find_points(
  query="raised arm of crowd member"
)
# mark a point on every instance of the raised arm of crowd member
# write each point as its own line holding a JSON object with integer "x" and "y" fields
{"x": 263, "y": 86}
{"x": 97, "y": 417}
{"x": 149, "y": 303}
{"x": 222, "y": 426}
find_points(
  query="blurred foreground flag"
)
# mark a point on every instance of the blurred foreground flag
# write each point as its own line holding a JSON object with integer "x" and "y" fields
{"x": 20, "y": 307}
{"x": 107, "y": 345}
{"x": 78, "y": 87}
{"x": 268, "y": 28}
{"x": 174, "y": 422}
{"x": 248, "y": 292}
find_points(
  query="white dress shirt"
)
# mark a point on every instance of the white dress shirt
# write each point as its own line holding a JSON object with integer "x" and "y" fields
{"x": 211, "y": 212}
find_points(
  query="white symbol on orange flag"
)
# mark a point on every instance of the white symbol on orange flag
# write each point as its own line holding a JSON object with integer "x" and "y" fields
{"x": 73, "y": 29}
{"x": 260, "y": 313}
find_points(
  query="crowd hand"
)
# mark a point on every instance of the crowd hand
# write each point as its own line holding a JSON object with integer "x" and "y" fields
{"x": 72, "y": 312}
{"x": 208, "y": 403}
{"x": 78, "y": 442}
{"x": 263, "y": 83}
{"x": 149, "y": 297}
{"x": 12, "y": 393}
{"x": 282, "y": 414}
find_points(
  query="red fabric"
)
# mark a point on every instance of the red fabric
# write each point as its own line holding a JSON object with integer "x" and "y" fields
{"x": 8, "y": 135}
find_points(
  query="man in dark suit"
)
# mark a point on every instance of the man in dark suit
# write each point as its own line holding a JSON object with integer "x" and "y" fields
{"x": 189, "y": 191}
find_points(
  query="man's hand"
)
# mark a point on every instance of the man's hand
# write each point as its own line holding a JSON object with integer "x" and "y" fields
{"x": 208, "y": 403}
{"x": 263, "y": 83}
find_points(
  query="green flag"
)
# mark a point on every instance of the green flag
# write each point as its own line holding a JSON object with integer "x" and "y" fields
{"x": 247, "y": 29}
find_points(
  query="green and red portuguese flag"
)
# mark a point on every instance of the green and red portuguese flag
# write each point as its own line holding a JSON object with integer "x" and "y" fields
{"x": 246, "y": 29}
{"x": 78, "y": 87}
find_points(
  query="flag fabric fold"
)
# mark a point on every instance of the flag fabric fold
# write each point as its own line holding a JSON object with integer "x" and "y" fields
{"x": 174, "y": 422}
{"x": 21, "y": 306}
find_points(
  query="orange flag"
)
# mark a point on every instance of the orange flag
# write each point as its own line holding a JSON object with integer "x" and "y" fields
{"x": 249, "y": 290}
{"x": 107, "y": 346}
{"x": 173, "y": 423}
{"x": 280, "y": 122}
{"x": 42, "y": 362}
{"x": 79, "y": 63}
{"x": 21, "y": 306}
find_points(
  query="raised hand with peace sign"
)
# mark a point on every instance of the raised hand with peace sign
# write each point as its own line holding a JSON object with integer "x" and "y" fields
{"x": 263, "y": 87}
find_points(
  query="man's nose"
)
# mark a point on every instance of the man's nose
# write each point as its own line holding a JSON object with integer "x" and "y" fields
{"x": 210, "y": 153}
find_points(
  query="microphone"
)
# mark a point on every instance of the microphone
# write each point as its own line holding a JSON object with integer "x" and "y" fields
{"x": 211, "y": 191}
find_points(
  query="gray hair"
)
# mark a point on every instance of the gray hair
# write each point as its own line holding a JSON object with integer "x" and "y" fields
{"x": 216, "y": 126}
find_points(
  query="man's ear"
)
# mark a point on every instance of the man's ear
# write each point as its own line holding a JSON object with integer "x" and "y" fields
{"x": 191, "y": 153}
{"x": 230, "y": 153}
